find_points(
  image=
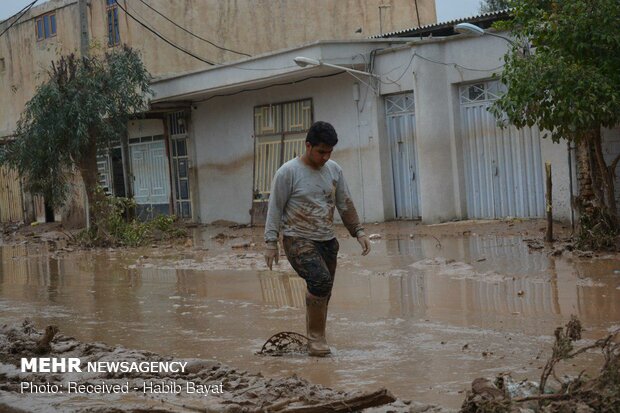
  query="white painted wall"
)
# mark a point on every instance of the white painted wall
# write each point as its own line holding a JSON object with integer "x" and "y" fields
{"x": 438, "y": 69}
{"x": 223, "y": 128}
{"x": 145, "y": 127}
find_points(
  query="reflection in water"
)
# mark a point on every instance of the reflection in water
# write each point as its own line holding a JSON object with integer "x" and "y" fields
{"x": 282, "y": 290}
{"x": 387, "y": 318}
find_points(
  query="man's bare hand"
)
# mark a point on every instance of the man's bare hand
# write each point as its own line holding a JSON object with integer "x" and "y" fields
{"x": 365, "y": 243}
{"x": 271, "y": 254}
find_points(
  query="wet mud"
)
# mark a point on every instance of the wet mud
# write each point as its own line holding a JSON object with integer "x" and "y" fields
{"x": 200, "y": 385}
{"x": 428, "y": 311}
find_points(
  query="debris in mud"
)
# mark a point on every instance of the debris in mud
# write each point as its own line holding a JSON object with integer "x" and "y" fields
{"x": 284, "y": 342}
{"x": 221, "y": 237}
{"x": 242, "y": 244}
{"x": 240, "y": 391}
{"x": 557, "y": 248}
{"x": 576, "y": 394}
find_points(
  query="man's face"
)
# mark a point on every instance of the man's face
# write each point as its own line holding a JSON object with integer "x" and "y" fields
{"x": 318, "y": 155}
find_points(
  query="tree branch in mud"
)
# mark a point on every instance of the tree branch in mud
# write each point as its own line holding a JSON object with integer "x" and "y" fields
{"x": 561, "y": 348}
{"x": 601, "y": 393}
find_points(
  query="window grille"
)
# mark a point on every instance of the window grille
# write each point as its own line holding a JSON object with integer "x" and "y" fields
{"x": 399, "y": 103}
{"x": 179, "y": 142}
{"x": 481, "y": 92}
{"x": 114, "y": 35}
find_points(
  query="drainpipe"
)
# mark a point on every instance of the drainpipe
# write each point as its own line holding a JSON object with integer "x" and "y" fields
{"x": 570, "y": 185}
{"x": 356, "y": 99}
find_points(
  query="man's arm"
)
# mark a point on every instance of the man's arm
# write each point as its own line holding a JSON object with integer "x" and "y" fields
{"x": 349, "y": 216}
{"x": 280, "y": 192}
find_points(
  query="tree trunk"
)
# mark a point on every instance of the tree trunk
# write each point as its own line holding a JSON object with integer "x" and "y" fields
{"x": 606, "y": 174}
{"x": 586, "y": 198}
{"x": 88, "y": 171}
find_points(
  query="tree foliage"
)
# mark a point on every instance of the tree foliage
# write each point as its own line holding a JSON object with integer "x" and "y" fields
{"x": 487, "y": 6}
{"x": 567, "y": 84}
{"x": 82, "y": 108}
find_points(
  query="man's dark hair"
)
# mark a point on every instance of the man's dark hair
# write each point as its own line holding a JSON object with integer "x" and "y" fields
{"x": 322, "y": 132}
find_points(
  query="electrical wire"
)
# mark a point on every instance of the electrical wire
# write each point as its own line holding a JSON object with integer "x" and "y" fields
{"x": 402, "y": 74}
{"x": 191, "y": 33}
{"x": 415, "y": 54}
{"x": 268, "y": 86}
{"x": 21, "y": 13}
{"x": 234, "y": 66}
{"x": 456, "y": 64}
{"x": 163, "y": 38}
{"x": 213, "y": 63}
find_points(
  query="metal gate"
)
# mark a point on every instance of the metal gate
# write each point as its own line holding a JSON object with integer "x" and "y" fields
{"x": 400, "y": 116}
{"x": 151, "y": 175}
{"x": 11, "y": 205}
{"x": 503, "y": 167}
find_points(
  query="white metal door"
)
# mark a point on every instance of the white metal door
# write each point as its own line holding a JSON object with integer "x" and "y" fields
{"x": 150, "y": 169}
{"x": 401, "y": 134}
{"x": 503, "y": 167}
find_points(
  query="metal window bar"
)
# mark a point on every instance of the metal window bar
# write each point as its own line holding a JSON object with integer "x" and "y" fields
{"x": 179, "y": 142}
{"x": 104, "y": 173}
{"x": 114, "y": 35}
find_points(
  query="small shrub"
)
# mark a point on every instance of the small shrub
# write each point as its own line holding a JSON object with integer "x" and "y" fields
{"x": 113, "y": 228}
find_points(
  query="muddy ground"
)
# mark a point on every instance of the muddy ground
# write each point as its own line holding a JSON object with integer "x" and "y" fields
{"x": 428, "y": 311}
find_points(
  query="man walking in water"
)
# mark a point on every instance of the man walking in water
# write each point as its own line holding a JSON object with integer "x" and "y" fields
{"x": 304, "y": 193}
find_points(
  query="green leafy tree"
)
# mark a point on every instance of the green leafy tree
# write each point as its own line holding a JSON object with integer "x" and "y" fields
{"x": 81, "y": 109}
{"x": 487, "y": 6}
{"x": 568, "y": 85}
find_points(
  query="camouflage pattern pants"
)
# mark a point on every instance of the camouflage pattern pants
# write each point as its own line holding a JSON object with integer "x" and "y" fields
{"x": 314, "y": 261}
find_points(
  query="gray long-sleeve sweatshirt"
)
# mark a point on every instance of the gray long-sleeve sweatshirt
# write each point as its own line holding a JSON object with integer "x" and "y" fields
{"x": 303, "y": 199}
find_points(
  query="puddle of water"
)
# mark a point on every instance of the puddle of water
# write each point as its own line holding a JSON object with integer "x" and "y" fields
{"x": 422, "y": 317}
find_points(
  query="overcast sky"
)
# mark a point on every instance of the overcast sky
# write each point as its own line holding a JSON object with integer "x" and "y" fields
{"x": 446, "y": 9}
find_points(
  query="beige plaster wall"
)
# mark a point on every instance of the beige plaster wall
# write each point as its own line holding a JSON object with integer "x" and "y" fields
{"x": 26, "y": 60}
{"x": 252, "y": 26}
{"x": 249, "y": 26}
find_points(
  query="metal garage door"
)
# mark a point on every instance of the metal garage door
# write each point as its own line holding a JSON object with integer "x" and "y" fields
{"x": 503, "y": 167}
{"x": 401, "y": 134}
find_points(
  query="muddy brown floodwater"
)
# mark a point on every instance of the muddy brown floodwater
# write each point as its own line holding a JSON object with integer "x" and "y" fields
{"x": 422, "y": 315}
